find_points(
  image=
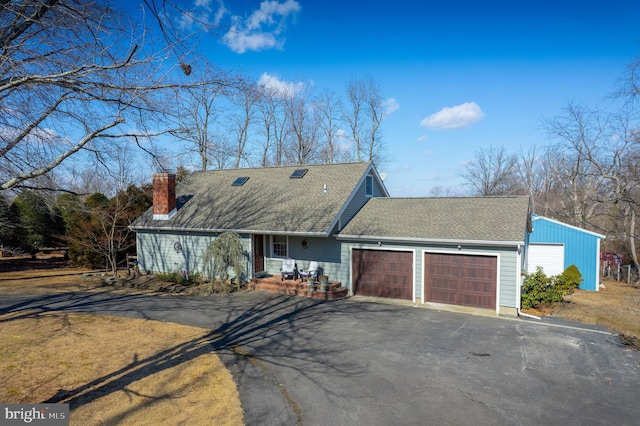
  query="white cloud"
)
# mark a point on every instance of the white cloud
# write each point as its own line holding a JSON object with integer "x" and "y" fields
{"x": 454, "y": 117}
{"x": 390, "y": 105}
{"x": 261, "y": 30}
{"x": 283, "y": 89}
{"x": 37, "y": 134}
{"x": 341, "y": 133}
{"x": 240, "y": 41}
{"x": 222, "y": 10}
{"x": 200, "y": 17}
{"x": 270, "y": 8}
{"x": 422, "y": 138}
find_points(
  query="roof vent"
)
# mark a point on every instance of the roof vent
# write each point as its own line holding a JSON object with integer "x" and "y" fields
{"x": 240, "y": 181}
{"x": 298, "y": 173}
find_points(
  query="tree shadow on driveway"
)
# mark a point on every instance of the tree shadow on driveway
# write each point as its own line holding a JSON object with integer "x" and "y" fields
{"x": 246, "y": 329}
{"x": 353, "y": 362}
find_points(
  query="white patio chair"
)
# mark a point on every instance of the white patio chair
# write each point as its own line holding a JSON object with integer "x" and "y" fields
{"x": 312, "y": 271}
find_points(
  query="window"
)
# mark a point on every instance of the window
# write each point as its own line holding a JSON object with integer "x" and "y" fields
{"x": 368, "y": 186}
{"x": 298, "y": 173}
{"x": 279, "y": 245}
{"x": 240, "y": 181}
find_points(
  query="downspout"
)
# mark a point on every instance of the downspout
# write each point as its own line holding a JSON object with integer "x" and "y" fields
{"x": 520, "y": 278}
{"x": 598, "y": 264}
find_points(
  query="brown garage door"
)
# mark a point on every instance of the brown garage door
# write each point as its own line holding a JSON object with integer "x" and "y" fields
{"x": 461, "y": 279}
{"x": 383, "y": 273}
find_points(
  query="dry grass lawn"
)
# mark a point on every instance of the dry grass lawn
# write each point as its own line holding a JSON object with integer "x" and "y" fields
{"x": 616, "y": 306}
{"x": 111, "y": 370}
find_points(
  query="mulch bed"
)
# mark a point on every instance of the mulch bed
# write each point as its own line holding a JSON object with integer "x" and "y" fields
{"x": 153, "y": 283}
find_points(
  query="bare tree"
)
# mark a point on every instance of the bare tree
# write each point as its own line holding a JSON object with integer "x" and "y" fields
{"x": 363, "y": 116}
{"x": 327, "y": 107}
{"x": 375, "y": 113}
{"x": 304, "y": 125}
{"x": 274, "y": 126}
{"x": 491, "y": 172}
{"x": 241, "y": 120}
{"x": 580, "y": 134}
{"x": 267, "y": 117}
{"x": 90, "y": 77}
{"x": 103, "y": 230}
{"x": 354, "y": 116}
{"x": 599, "y": 168}
{"x": 629, "y": 85}
{"x": 534, "y": 175}
{"x": 198, "y": 115}
{"x": 444, "y": 191}
{"x": 222, "y": 155}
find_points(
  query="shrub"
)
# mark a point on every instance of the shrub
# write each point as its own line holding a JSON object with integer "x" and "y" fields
{"x": 566, "y": 282}
{"x": 225, "y": 253}
{"x": 538, "y": 288}
{"x": 178, "y": 278}
{"x": 535, "y": 289}
{"x": 225, "y": 287}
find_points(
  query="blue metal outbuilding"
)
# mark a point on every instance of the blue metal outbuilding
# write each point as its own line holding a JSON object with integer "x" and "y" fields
{"x": 553, "y": 242}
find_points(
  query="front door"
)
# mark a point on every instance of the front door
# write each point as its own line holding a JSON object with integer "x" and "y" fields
{"x": 258, "y": 253}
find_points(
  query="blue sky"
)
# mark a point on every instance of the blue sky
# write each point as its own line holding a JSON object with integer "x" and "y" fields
{"x": 463, "y": 75}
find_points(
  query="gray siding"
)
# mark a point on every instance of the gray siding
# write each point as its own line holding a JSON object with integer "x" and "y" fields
{"x": 509, "y": 279}
{"x": 156, "y": 252}
{"x": 324, "y": 250}
{"x": 377, "y": 189}
{"x": 359, "y": 200}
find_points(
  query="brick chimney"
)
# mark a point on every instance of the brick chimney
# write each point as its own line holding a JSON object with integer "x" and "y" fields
{"x": 164, "y": 195}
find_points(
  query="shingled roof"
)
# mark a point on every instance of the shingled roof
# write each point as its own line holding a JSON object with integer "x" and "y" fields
{"x": 470, "y": 219}
{"x": 270, "y": 201}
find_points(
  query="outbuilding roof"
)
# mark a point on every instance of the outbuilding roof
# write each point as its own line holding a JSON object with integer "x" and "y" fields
{"x": 266, "y": 200}
{"x": 536, "y": 217}
{"x": 487, "y": 220}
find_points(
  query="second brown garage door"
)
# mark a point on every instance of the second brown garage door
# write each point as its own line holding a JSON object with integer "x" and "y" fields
{"x": 459, "y": 279}
{"x": 383, "y": 273}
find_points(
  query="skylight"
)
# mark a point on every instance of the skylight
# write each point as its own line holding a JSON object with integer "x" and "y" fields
{"x": 298, "y": 173}
{"x": 240, "y": 181}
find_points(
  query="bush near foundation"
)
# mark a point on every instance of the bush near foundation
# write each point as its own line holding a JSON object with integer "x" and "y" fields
{"x": 538, "y": 288}
{"x": 180, "y": 278}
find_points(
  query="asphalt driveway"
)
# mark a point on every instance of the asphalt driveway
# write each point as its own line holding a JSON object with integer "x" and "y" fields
{"x": 349, "y": 362}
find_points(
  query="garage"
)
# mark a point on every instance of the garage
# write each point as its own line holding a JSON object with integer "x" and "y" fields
{"x": 550, "y": 257}
{"x": 555, "y": 245}
{"x": 382, "y": 273}
{"x": 459, "y": 279}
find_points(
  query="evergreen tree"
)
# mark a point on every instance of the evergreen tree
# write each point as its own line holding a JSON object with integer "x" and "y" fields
{"x": 37, "y": 224}
{"x": 6, "y": 226}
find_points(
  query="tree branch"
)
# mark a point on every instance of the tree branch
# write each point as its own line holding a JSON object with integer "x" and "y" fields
{"x": 57, "y": 161}
{"x": 26, "y": 23}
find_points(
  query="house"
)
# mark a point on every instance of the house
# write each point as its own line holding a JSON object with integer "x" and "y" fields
{"x": 554, "y": 246}
{"x": 462, "y": 251}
